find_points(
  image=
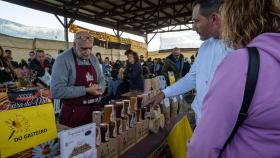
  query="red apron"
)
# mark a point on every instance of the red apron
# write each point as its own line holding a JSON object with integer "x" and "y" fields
{"x": 78, "y": 111}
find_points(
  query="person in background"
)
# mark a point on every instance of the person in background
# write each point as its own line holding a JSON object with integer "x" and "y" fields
{"x": 78, "y": 81}
{"x": 31, "y": 56}
{"x": 98, "y": 56}
{"x": 39, "y": 66}
{"x": 187, "y": 67}
{"x": 193, "y": 58}
{"x": 114, "y": 84}
{"x": 158, "y": 67}
{"x": 8, "y": 56}
{"x": 146, "y": 72}
{"x": 51, "y": 61}
{"x": 5, "y": 69}
{"x": 107, "y": 69}
{"x": 174, "y": 63}
{"x": 118, "y": 64}
{"x": 247, "y": 23}
{"x": 60, "y": 51}
{"x": 133, "y": 73}
{"x": 23, "y": 63}
{"x": 13, "y": 65}
{"x": 142, "y": 61}
{"x": 150, "y": 65}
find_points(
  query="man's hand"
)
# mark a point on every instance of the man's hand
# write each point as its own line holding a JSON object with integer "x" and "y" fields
{"x": 155, "y": 101}
{"x": 94, "y": 90}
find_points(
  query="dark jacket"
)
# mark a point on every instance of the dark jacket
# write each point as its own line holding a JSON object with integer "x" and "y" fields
{"x": 134, "y": 76}
{"x": 4, "y": 76}
{"x": 15, "y": 64}
{"x": 186, "y": 69}
{"x": 35, "y": 66}
{"x": 170, "y": 65}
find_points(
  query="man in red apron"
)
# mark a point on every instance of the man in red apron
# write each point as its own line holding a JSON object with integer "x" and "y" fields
{"x": 78, "y": 87}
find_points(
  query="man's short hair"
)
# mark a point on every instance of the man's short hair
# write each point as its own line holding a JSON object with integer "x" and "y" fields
{"x": 208, "y": 6}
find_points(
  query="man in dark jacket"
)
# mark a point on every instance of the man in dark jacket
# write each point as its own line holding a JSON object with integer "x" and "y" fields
{"x": 8, "y": 56}
{"x": 174, "y": 63}
{"x": 39, "y": 65}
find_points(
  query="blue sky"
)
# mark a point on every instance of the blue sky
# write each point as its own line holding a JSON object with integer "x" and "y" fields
{"x": 31, "y": 17}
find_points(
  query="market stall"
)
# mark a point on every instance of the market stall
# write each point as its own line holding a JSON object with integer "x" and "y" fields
{"x": 123, "y": 128}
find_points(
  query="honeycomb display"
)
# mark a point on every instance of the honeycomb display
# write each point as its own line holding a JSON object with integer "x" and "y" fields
{"x": 80, "y": 149}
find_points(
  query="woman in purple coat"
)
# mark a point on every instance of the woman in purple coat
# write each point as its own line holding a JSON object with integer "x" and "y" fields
{"x": 247, "y": 23}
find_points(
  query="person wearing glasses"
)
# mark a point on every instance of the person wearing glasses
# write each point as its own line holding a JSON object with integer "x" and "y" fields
{"x": 78, "y": 81}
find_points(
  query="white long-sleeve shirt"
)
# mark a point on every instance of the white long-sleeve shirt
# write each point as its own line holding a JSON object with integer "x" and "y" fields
{"x": 210, "y": 54}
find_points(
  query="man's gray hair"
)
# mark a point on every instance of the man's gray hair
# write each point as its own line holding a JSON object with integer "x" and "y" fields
{"x": 79, "y": 34}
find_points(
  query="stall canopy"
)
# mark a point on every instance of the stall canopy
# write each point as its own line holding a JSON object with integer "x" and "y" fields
{"x": 139, "y": 17}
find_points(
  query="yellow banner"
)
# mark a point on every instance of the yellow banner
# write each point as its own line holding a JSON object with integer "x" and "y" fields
{"x": 21, "y": 129}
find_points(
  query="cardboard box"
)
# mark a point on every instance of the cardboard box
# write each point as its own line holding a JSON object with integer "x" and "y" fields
{"x": 142, "y": 130}
{"x": 113, "y": 148}
{"x": 108, "y": 149}
{"x": 127, "y": 140}
{"x": 102, "y": 149}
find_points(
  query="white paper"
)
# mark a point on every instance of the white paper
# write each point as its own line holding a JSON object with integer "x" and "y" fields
{"x": 75, "y": 139}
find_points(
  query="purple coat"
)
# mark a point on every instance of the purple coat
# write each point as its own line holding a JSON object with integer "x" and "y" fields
{"x": 259, "y": 135}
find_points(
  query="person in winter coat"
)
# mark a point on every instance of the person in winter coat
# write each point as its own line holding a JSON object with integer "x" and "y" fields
{"x": 5, "y": 68}
{"x": 175, "y": 63}
{"x": 39, "y": 66}
{"x": 133, "y": 73}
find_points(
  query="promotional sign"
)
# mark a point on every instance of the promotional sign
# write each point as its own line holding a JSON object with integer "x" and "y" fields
{"x": 78, "y": 142}
{"x": 25, "y": 128}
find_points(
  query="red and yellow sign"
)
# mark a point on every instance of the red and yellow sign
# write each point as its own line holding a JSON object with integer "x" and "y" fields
{"x": 136, "y": 46}
{"x": 25, "y": 128}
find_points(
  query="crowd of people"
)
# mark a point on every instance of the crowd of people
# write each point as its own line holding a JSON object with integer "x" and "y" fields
{"x": 124, "y": 76}
{"x": 37, "y": 64}
{"x": 119, "y": 76}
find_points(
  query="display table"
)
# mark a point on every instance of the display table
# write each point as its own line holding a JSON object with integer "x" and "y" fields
{"x": 175, "y": 134}
{"x": 132, "y": 94}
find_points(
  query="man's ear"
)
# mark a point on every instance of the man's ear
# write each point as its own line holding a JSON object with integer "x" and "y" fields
{"x": 215, "y": 18}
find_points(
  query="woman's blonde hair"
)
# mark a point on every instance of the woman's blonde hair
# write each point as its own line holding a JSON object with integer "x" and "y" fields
{"x": 245, "y": 19}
